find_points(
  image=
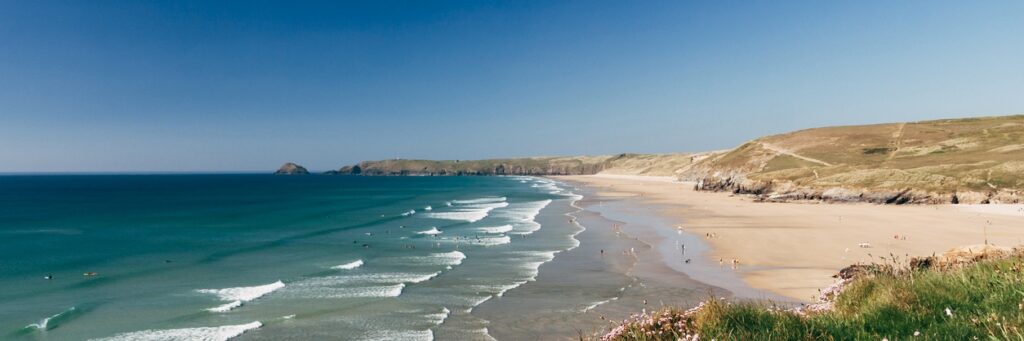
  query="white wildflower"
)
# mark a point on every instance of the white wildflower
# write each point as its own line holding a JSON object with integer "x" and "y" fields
{"x": 949, "y": 312}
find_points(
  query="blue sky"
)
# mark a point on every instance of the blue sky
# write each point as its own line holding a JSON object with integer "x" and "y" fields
{"x": 244, "y": 85}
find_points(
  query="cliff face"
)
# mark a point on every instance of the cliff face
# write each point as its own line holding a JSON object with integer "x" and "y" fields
{"x": 640, "y": 164}
{"x": 291, "y": 169}
{"x": 976, "y": 160}
{"x": 526, "y": 166}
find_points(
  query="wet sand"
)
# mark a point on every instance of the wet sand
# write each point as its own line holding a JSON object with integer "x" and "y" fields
{"x": 792, "y": 249}
{"x": 583, "y": 290}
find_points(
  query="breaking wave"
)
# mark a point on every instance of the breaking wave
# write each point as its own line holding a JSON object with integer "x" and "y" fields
{"x": 238, "y": 295}
{"x": 349, "y": 266}
{"x": 220, "y": 333}
{"x": 431, "y": 231}
{"x": 483, "y": 200}
{"x": 52, "y": 321}
{"x": 495, "y": 229}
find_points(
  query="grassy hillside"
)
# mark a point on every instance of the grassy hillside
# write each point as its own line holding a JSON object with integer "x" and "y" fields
{"x": 975, "y": 301}
{"x": 648, "y": 164}
{"x": 975, "y": 159}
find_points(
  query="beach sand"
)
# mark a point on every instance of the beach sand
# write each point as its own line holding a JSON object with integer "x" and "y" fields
{"x": 583, "y": 290}
{"x": 793, "y": 249}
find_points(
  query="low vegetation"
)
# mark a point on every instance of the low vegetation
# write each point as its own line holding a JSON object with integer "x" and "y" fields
{"x": 634, "y": 164}
{"x": 972, "y": 160}
{"x": 981, "y": 299}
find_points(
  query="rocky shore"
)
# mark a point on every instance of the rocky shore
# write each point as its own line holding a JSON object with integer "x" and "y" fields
{"x": 783, "y": 191}
{"x": 650, "y": 164}
{"x": 953, "y": 161}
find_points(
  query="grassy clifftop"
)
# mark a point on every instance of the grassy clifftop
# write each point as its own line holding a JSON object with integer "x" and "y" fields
{"x": 956, "y": 160}
{"x": 973, "y": 160}
{"x": 638, "y": 164}
{"x": 977, "y": 299}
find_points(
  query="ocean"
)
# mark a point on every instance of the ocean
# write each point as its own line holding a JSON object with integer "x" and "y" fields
{"x": 261, "y": 257}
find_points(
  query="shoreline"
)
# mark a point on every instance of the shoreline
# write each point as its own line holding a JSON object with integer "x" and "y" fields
{"x": 792, "y": 249}
{"x": 681, "y": 251}
{"x": 584, "y": 290}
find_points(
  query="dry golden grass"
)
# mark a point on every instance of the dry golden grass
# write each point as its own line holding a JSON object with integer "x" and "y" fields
{"x": 946, "y": 156}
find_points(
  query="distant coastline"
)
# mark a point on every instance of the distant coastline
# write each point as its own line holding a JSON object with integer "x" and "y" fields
{"x": 955, "y": 161}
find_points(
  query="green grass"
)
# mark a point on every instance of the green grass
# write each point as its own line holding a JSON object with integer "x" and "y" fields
{"x": 985, "y": 300}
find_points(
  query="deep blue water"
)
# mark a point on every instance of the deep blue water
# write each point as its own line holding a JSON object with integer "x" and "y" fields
{"x": 191, "y": 256}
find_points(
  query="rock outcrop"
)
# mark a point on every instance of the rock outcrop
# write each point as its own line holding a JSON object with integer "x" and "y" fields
{"x": 653, "y": 164}
{"x": 957, "y": 161}
{"x": 291, "y": 169}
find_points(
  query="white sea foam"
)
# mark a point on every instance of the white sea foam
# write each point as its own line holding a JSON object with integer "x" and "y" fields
{"x": 225, "y": 307}
{"x": 496, "y": 289}
{"x": 240, "y": 294}
{"x": 522, "y": 215}
{"x": 408, "y": 213}
{"x": 431, "y": 231}
{"x": 478, "y": 240}
{"x": 428, "y": 208}
{"x": 526, "y": 227}
{"x": 549, "y": 186}
{"x": 495, "y": 229}
{"x": 480, "y": 200}
{"x": 533, "y": 255}
{"x": 446, "y": 258}
{"x": 489, "y": 241}
{"x": 532, "y": 270}
{"x": 575, "y": 243}
{"x": 438, "y": 318}
{"x": 244, "y": 293}
{"x": 478, "y": 301}
{"x": 45, "y": 322}
{"x": 411, "y": 335}
{"x": 370, "y": 278}
{"x": 597, "y": 304}
{"x": 485, "y": 205}
{"x": 349, "y": 266}
{"x": 503, "y": 289}
{"x": 530, "y": 261}
{"x": 469, "y": 212}
{"x": 469, "y": 216}
{"x": 553, "y": 187}
{"x": 201, "y": 333}
{"x": 377, "y": 291}
{"x": 434, "y": 259}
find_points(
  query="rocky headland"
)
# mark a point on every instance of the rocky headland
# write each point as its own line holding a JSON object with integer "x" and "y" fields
{"x": 970, "y": 161}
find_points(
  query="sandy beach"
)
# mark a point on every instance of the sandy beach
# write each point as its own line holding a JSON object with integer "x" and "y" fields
{"x": 793, "y": 249}
{"x": 617, "y": 270}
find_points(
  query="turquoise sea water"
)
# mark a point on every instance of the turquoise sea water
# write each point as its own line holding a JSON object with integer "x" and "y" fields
{"x": 268, "y": 257}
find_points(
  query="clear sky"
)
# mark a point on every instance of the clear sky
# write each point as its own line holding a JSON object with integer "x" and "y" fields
{"x": 245, "y": 85}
